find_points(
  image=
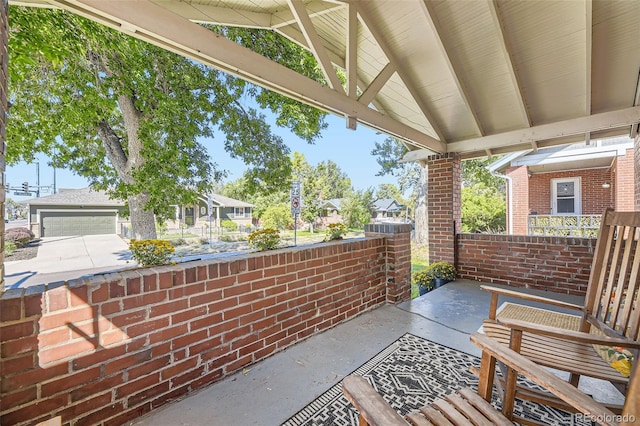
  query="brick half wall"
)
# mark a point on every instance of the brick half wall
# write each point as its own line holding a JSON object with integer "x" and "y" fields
{"x": 108, "y": 349}
{"x": 556, "y": 264}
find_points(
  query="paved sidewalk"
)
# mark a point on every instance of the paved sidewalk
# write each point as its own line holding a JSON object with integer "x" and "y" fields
{"x": 65, "y": 258}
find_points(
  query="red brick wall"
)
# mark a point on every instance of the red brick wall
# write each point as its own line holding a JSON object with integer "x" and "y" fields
{"x": 443, "y": 205}
{"x": 398, "y": 256}
{"x": 520, "y": 205}
{"x": 636, "y": 168}
{"x": 595, "y": 198}
{"x": 555, "y": 264}
{"x": 108, "y": 349}
{"x": 624, "y": 182}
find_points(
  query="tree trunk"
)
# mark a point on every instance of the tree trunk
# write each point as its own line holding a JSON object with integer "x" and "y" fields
{"x": 142, "y": 221}
{"x": 421, "y": 234}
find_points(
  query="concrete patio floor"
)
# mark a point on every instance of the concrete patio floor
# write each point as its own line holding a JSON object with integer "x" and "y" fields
{"x": 271, "y": 391}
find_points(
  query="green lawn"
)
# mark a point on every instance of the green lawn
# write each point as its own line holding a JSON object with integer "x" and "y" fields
{"x": 419, "y": 260}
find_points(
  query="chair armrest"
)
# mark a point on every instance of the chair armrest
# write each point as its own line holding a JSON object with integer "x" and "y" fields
{"x": 554, "y": 384}
{"x": 531, "y": 297}
{"x": 371, "y": 406}
{"x": 561, "y": 333}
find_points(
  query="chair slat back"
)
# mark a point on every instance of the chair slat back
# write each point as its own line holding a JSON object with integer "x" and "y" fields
{"x": 612, "y": 292}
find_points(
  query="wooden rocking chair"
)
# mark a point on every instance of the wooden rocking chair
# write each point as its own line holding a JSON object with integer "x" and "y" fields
{"x": 470, "y": 408}
{"x": 602, "y": 339}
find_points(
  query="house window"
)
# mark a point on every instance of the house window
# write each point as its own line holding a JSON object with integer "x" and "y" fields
{"x": 238, "y": 212}
{"x": 565, "y": 196}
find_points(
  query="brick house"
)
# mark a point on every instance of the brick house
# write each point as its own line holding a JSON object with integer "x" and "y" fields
{"x": 563, "y": 190}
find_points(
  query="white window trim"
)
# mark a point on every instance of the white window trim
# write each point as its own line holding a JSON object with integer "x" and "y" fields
{"x": 578, "y": 195}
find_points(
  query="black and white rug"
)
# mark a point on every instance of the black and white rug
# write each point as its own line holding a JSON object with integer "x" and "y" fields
{"x": 409, "y": 373}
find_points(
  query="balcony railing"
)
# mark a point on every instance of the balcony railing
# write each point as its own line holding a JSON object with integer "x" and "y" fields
{"x": 564, "y": 225}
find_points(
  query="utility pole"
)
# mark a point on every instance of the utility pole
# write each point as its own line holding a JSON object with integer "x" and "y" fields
{"x": 37, "y": 179}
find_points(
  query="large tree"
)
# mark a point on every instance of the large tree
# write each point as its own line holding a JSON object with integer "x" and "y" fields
{"x": 483, "y": 208}
{"x": 131, "y": 117}
{"x": 323, "y": 182}
{"x": 411, "y": 177}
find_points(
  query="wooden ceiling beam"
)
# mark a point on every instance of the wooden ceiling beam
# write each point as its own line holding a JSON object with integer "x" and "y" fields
{"x": 408, "y": 82}
{"x": 575, "y": 126}
{"x": 377, "y": 84}
{"x": 506, "y": 51}
{"x": 150, "y": 22}
{"x": 352, "y": 50}
{"x": 314, "y": 43}
{"x": 430, "y": 15}
{"x": 315, "y": 8}
{"x": 204, "y": 13}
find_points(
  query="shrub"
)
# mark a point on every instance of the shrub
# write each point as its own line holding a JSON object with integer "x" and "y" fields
{"x": 423, "y": 278}
{"x": 18, "y": 236}
{"x": 265, "y": 239}
{"x": 335, "y": 231}
{"x": 443, "y": 270}
{"x": 9, "y": 248}
{"x": 177, "y": 242}
{"x": 229, "y": 225}
{"x": 151, "y": 252}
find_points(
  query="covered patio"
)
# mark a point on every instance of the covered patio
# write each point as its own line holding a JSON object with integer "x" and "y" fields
{"x": 270, "y": 392}
{"x": 452, "y": 80}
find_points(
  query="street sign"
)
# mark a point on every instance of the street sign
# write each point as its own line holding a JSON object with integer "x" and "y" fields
{"x": 22, "y": 193}
{"x": 295, "y": 188}
{"x": 295, "y": 205}
{"x": 295, "y": 198}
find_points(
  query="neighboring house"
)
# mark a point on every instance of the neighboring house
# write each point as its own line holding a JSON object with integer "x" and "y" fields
{"x": 387, "y": 210}
{"x": 74, "y": 212}
{"x": 563, "y": 190}
{"x": 383, "y": 210}
{"x": 330, "y": 212}
{"x": 221, "y": 207}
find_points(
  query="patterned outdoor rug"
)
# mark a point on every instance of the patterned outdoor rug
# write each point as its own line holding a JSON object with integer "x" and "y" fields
{"x": 410, "y": 373}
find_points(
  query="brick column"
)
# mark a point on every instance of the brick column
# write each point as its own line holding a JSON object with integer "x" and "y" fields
{"x": 4, "y": 64}
{"x": 398, "y": 254}
{"x": 443, "y": 205}
{"x": 625, "y": 185}
{"x": 636, "y": 167}
{"x": 519, "y": 198}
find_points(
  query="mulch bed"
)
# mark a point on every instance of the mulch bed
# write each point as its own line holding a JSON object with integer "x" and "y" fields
{"x": 29, "y": 251}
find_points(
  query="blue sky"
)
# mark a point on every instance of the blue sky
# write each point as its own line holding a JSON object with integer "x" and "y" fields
{"x": 351, "y": 150}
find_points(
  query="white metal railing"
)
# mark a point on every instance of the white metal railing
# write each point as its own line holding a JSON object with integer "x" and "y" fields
{"x": 564, "y": 225}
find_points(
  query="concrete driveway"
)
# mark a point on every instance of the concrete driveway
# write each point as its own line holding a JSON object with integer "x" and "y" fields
{"x": 65, "y": 258}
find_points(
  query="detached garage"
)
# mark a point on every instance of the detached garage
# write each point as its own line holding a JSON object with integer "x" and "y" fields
{"x": 75, "y": 212}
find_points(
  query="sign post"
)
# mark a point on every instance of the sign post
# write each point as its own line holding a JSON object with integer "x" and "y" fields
{"x": 209, "y": 213}
{"x": 296, "y": 202}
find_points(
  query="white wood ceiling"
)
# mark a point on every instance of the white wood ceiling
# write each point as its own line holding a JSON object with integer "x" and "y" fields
{"x": 474, "y": 77}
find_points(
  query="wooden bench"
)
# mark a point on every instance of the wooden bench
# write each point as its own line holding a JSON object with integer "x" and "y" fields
{"x": 467, "y": 407}
{"x": 609, "y": 318}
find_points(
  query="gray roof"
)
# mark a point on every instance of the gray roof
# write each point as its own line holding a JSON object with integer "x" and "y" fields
{"x": 223, "y": 201}
{"x": 76, "y": 197}
{"x": 386, "y": 204}
{"x": 333, "y": 202}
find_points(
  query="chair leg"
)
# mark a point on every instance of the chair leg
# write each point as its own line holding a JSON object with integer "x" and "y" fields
{"x": 487, "y": 374}
{"x": 574, "y": 379}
